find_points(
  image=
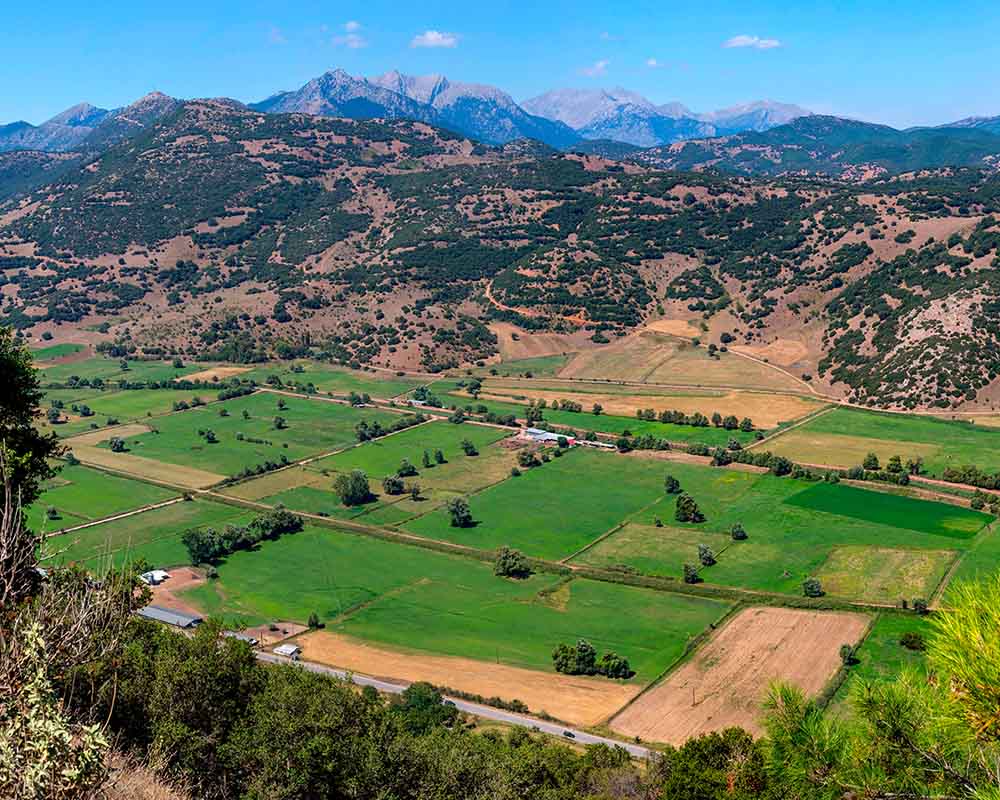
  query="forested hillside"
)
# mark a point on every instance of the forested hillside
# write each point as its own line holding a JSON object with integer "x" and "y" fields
{"x": 229, "y": 233}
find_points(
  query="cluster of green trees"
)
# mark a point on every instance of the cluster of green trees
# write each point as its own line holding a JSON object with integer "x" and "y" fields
{"x": 365, "y": 430}
{"x": 581, "y": 659}
{"x": 511, "y": 563}
{"x": 353, "y": 488}
{"x": 207, "y": 545}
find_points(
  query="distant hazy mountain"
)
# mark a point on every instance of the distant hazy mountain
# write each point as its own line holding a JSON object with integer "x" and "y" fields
{"x": 989, "y": 124}
{"x": 63, "y": 132}
{"x": 625, "y": 116}
{"x": 477, "y": 110}
{"x": 126, "y": 122}
{"x": 761, "y": 115}
{"x": 481, "y": 112}
{"x": 338, "y": 94}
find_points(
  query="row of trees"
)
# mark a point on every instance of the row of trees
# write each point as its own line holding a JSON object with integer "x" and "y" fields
{"x": 697, "y": 420}
{"x": 207, "y": 545}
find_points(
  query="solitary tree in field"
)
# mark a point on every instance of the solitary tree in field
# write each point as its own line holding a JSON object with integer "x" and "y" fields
{"x": 439, "y": 457}
{"x": 717, "y": 419}
{"x": 811, "y": 587}
{"x": 511, "y": 564}
{"x": 282, "y": 405}
{"x": 687, "y": 509}
{"x": 706, "y": 555}
{"x": 691, "y": 574}
{"x": 392, "y": 484}
{"x": 847, "y": 654}
{"x": 353, "y": 488}
{"x": 870, "y": 462}
{"x": 116, "y": 445}
{"x": 469, "y": 448}
{"x": 406, "y": 469}
{"x": 738, "y": 533}
{"x": 426, "y": 459}
{"x": 458, "y": 510}
{"x": 280, "y": 423}
{"x": 414, "y": 490}
{"x": 598, "y": 409}
{"x": 671, "y": 485}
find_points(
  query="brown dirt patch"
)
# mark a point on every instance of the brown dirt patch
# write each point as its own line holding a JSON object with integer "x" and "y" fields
{"x": 267, "y": 637}
{"x": 181, "y": 578}
{"x": 576, "y": 700}
{"x": 724, "y": 683}
{"x": 215, "y": 374}
{"x": 530, "y": 345}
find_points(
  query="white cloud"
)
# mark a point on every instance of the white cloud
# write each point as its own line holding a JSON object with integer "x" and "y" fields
{"x": 351, "y": 38}
{"x": 755, "y": 42}
{"x": 652, "y": 63}
{"x": 597, "y": 69}
{"x": 275, "y": 36}
{"x": 432, "y": 38}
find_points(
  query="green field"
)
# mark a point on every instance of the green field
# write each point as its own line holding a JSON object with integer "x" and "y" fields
{"x": 881, "y": 657}
{"x": 843, "y": 436}
{"x": 423, "y": 600}
{"x": 789, "y": 539}
{"x": 126, "y": 405}
{"x": 893, "y": 510}
{"x": 553, "y": 510}
{"x": 56, "y": 351}
{"x": 314, "y": 427}
{"x": 109, "y": 370}
{"x": 539, "y": 366}
{"x": 80, "y": 495}
{"x": 152, "y": 535}
{"x": 382, "y": 457}
{"x": 337, "y": 380}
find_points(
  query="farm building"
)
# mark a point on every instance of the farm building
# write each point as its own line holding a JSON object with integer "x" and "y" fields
{"x": 169, "y": 617}
{"x": 544, "y": 437}
{"x": 289, "y": 651}
{"x": 154, "y": 577}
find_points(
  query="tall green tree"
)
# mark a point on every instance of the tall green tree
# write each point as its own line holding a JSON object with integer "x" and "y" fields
{"x": 27, "y": 449}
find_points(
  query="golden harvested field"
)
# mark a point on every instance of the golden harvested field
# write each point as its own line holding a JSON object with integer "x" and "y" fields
{"x": 276, "y": 482}
{"x": 576, "y": 700}
{"x": 675, "y": 327}
{"x": 838, "y": 450}
{"x": 652, "y": 357}
{"x": 882, "y": 574}
{"x": 725, "y": 681}
{"x": 530, "y": 345}
{"x": 94, "y": 438}
{"x": 766, "y": 410}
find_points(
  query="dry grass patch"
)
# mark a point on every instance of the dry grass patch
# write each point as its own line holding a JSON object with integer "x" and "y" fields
{"x": 882, "y": 574}
{"x": 724, "y": 683}
{"x": 838, "y": 450}
{"x": 94, "y": 438}
{"x": 766, "y": 410}
{"x": 675, "y": 327}
{"x": 276, "y": 482}
{"x": 576, "y": 700}
{"x": 148, "y": 468}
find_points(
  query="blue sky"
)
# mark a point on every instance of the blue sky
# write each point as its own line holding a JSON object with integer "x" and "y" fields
{"x": 902, "y": 63}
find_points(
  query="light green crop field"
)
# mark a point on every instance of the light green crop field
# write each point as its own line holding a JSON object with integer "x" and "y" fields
{"x": 382, "y": 457}
{"x": 882, "y": 658}
{"x": 152, "y": 535}
{"x": 109, "y": 370}
{"x": 127, "y": 405}
{"x": 539, "y": 366}
{"x": 338, "y": 380}
{"x": 80, "y": 495}
{"x": 56, "y": 351}
{"x": 553, "y": 510}
{"x": 982, "y": 558}
{"x": 314, "y": 427}
{"x": 433, "y": 602}
{"x": 843, "y": 436}
{"x": 793, "y": 528}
